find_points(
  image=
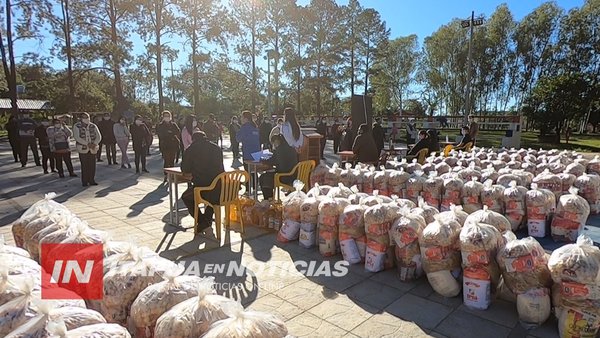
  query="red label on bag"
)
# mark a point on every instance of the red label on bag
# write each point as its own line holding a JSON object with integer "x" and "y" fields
{"x": 378, "y": 229}
{"x": 438, "y": 253}
{"x": 475, "y": 258}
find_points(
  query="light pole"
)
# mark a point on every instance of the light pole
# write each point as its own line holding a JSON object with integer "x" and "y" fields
{"x": 270, "y": 55}
{"x": 471, "y": 23}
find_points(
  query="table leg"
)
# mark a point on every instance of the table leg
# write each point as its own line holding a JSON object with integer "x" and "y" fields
{"x": 176, "y": 202}
{"x": 255, "y": 185}
{"x": 170, "y": 180}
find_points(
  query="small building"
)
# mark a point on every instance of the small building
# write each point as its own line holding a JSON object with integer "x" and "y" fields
{"x": 26, "y": 105}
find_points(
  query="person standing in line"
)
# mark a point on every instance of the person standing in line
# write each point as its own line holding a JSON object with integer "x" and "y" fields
{"x": 284, "y": 160}
{"x": 337, "y": 135}
{"x": 42, "y": 136}
{"x": 12, "y": 128}
{"x": 211, "y": 129}
{"x": 473, "y": 128}
{"x": 140, "y": 136}
{"x": 322, "y": 129}
{"x": 291, "y": 129}
{"x": 234, "y": 127}
{"x": 122, "y": 135}
{"x": 378, "y": 135}
{"x": 58, "y": 139}
{"x": 248, "y": 136}
{"x": 277, "y": 129}
{"x": 265, "y": 131}
{"x": 168, "y": 138}
{"x": 190, "y": 124}
{"x": 364, "y": 146}
{"x": 108, "y": 139}
{"x": 88, "y": 137}
{"x": 148, "y": 123}
{"x": 27, "y": 140}
{"x": 347, "y": 136}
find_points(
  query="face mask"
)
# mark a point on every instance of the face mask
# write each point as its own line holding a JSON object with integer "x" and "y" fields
{"x": 106, "y": 118}
{"x": 45, "y": 124}
{"x": 138, "y": 122}
{"x": 194, "y": 124}
{"x": 57, "y": 126}
{"x": 167, "y": 119}
{"x": 235, "y": 121}
{"x": 123, "y": 121}
{"x": 86, "y": 121}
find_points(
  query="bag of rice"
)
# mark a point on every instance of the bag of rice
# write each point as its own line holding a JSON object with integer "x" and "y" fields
{"x": 453, "y": 186}
{"x": 377, "y": 227}
{"x": 340, "y": 191}
{"x": 318, "y": 190}
{"x": 593, "y": 166}
{"x": 58, "y": 329}
{"x": 524, "y": 265}
{"x": 440, "y": 254}
{"x": 442, "y": 168}
{"x": 290, "y": 229}
{"x": 347, "y": 176}
{"x": 548, "y": 180}
{"x": 432, "y": 190}
{"x": 158, "y": 298}
{"x": 504, "y": 180}
{"x": 414, "y": 186}
{"x": 247, "y": 324}
{"x": 332, "y": 176}
{"x": 329, "y": 213}
{"x": 317, "y": 176}
{"x": 525, "y": 177}
{"x": 575, "y": 169}
{"x": 533, "y": 307}
{"x": 490, "y": 217}
{"x": 123, "y": 284}
{"x": 455, "y": 213}
{"x": 368, "y": 182}
{"x": 589, "y": 188}
{"x": 41, "y": 208}
{"x": 540, "y": 207}
{"x": 469, "y": 172}
{"x": 489, "y": 174}
{"x": 492, "y": 196}
{"x": 413, "y": 167}
{"x": 375, "y": 199}
{"x": 380, "y": 182}
{"x": 529, "y": 167}
{"x": 405, "y": 233}
{"x": 193, "y": 317}
{"x": 514, "y": 202}
{"x": 403, "y": 203}
{"x": 571, "y": 214}
{"x": 356, "y": 198}
{"x": 352, "y": 233}
{"x": 424, "y": 210}
{"x": 567, "y": 181}
{"x": 471, "y": 195}
{"x": 451, "y": 161}
{"x": 309, "y": 217}
{"x": 397, "y": 182}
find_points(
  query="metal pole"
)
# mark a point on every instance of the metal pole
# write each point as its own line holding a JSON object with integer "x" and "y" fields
{"x": 172, "y": 83}
{"x": 468, "y": 94}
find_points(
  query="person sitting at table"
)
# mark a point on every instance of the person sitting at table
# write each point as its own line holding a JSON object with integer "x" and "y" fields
{"x": 284, "y": 160}
{"x": 434, "y": 141}
{"x": 364, "y": 147}
{"x": 423, "y": 143}
{"x": 204, "y": 161}
{"x": 465, "y": 139}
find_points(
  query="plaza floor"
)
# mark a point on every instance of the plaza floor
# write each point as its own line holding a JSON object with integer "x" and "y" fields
{"x": 359, "y": 304}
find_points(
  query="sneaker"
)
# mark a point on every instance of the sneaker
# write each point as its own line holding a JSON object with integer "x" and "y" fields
{"x": 99, "y": 160}
{"x": 146, "y": 171}
{"x": 93, "y": 183}
{"x": 115, "y": 163}
{"x": 72, "y": 175}
{"x": 128, "y": 165}
{"x": 23, "y": 165}
{"x": 84, "y": 184}
{"x": 45, "y": 171}
{"x": 54, "y": 171}
{"x": 137, "y": 171}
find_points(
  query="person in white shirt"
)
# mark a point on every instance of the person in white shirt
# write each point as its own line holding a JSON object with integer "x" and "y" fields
{"x": 88, "y": 137}
{"x": 122, "y": 135}
{"x": 291, "y": 129}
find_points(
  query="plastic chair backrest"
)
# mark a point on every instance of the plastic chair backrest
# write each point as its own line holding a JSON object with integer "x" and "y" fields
{"x": 303, "y": 170}
{"x": 421, "y": 155}
{"x": 231, "y": 184}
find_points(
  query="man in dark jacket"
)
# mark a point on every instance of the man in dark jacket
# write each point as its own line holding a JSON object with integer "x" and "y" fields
{"x": 42, "y": 137}
{"x": 284, "y": 159}
{"x": 27, "y": 139}
{"x": 234, "y": 127}
{"x": 264, "y": 130}
{"x": 108, "y": 139}
{"x": 12, "y": 128}
{"x": 322, "y": 130}
{"x": 378, "y": 136}
{"x": 422, "y": 143}
{"x": 212, "y": 129}
{"x": 364, "y": 146}
{"x": 204, "y": 161}
{"x": 168, "y": 140}
{"x": 337, "y": 135}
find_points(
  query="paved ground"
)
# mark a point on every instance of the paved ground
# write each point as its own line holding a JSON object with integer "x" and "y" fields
{"x": 360, "y": 304}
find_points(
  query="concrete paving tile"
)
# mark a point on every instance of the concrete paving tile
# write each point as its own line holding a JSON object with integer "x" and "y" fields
{"x": 387, "y": 325}
{"x": 305, "y": 294}
{"x": 390, "y": 278}
{"x": 339, "y": 284}
{"x": 359, "y": 269}
{"x": 453, "y": 302}
{"x": 373, "y": 293}
{"x": 500, "y": 312}
{"x": 277, "y": 306}
{"x": 308, "y": 325}
{"x": 423, "y": 289}
{"x": 344, "y": 312}
{"x": 461, "y": 324}
{"x": 547, "y": 330}
{"x": 423, "y": 312}
{"x": 436, "y": 335}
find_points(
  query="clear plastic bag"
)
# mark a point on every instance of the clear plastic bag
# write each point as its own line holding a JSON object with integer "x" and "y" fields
{"x": 414, "y": 186}
{"x": 571, "y": 214}
{"x": 492, "y": 196}
{"x": 490, "y": 217}
{"x": 593, "y": 166}
{"x": 59, "y": 330}
{"x": 548, "y": 180}
{"x": 439, "y": 244}
{"x": 453, "y": 186}
{"x": 12, "y": 250}
{"x": 377, "y": 227}
{"x": 248, "y": 324}
{"x": 317, "y": 176}
{"x": 455, "y": 213}
{"x": 328, "y": 236}
{"x": 514, "y": 202}
{"x": 290, "y": 229}
{"x": 541, "y": 204}
{"x": 524, "y": 265}
{"x": 471, "y": 195}
{"x": 352, "y": 236}
{"x": 432, "y": 190}
{"x": 589, "y": 188}
{"x": 44, "y": 207}
{"x": 426, "y": 211}
{"x": 405, "y": 233}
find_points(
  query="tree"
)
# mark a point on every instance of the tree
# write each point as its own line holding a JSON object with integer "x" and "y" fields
{"x": 295, "y": 53}
{"x": 352, "y": 12}
{"x": 555, "y": 101}
{"x": 373, "y": 37}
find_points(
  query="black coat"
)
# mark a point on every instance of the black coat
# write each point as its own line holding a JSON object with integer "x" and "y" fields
{"x": 204, "y": 160}
{"x": 168, "y": 136}
{"x": 424, "y": 143}
{"x": 284, "y": 159}
{"x": 365, "y": 149}
{"x": 378, "y": 136}
{"x": 107, "y": 132}
{"x": 140, "y": 137}
{"x": 264, "y": 131}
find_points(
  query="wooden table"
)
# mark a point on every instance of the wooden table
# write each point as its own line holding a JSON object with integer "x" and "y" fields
{"x": 174, "y": 178}
{"x": 395, "y": 150}
{"x": 346, "y": 156}
{"x": 254, "y": 168}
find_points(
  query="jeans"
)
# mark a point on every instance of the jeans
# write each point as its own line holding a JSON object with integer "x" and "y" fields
{"x": 88, "y": 168}
{"x": 26, "y": 143}
{"x": 59, "y": 158}
{"x": 123, "y": 144}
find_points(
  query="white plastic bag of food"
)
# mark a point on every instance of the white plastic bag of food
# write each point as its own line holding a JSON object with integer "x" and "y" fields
{"x": 571, "y": 214}
{"x": 248, "y": 324}
{"x": 426, "y": 211}
{"x": 380, "y": 181}
{"x": 377, "y": 227}
{"x": 453, "y": 186}
{"x": 59, "y": 330}
{"x": 290, "y": 229}
{"x": 397, "y": 182}
{"x": 414, "y": 186}
{"x": 514, "y": 202}
{"x": 575, "y": 169}
{"x": 524, "y": 265}
{"x": 309, "y": 217}
{"x": 533, "y": 307}
{"x": 593, "y": 166}
{"x": 329, "y": 213}
{"x": 471, "y": 195}
{"x": 332, "y": 176}
{"x": 317, "y": 176}
{"x": 490, "y": 217}
{"x": 567, "y": 181}
{"x": 12, "y": 250}
{"x": 578, "y": 323}
{"x": 41, "y": 208}
{"x": 352, "y": 233}
{"x": 194, "y": 317}
{"x": 479, "y": 243}
{"x": 340, "y": 191}
{"x": 158, "y": 298}
{"x": 432, "y": 190}
{"x": 455, "y": 213}
{"x": 35, "y": 230}
{"x": 413, "y": 167}
{"x": 589, "y": 188}
{"x": 405, "y": 233}
{"x": 548, "y": 180}
{"x": 540, "y": 207}
{"x": 504, "y": 180}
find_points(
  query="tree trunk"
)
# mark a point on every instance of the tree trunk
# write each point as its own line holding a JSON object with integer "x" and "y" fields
{"x": 367, "y": 63}
{"x": 119, "y": 108}
{"x": 352, "y": 70}
{"x": 318, "y": 94}
{"x": 298, "y": 75}
{"x": 69, "y": 52}
{"x": 11, "y": 76}
{"x": 196, "y": 83}
{"x": 158, "y": 8}
{"x": 276, "y": 73}
{"x": 254, "y": 89}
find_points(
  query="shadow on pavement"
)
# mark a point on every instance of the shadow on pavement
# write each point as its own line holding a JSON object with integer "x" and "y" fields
{"x": 154, "y": 197}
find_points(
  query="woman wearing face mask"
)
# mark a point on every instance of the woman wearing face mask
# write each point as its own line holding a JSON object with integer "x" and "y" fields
{"x": 291, "y": 129}
{"x": 277, "y": 129}
{"x": 122, "y": 136}
{"x": 191, "y": 124}
{"x": 88, "y": 137}
{"x": 140, "y": 134}
{"x": 424, "y": 142}
{"x": 42, "y": 137}
{"x": 168, "y": 138}
{"x": 58, "y": 138}
{"x": 466, "y": 138}
{"x": 284, "y": 159}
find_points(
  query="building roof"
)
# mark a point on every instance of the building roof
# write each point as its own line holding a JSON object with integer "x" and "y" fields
{"x": 26, "y": 104}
